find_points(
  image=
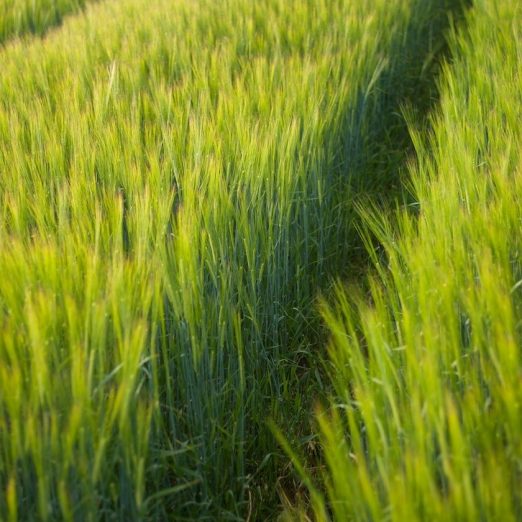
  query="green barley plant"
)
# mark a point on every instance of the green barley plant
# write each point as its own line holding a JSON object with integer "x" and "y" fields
{"x": 426, "y": 423}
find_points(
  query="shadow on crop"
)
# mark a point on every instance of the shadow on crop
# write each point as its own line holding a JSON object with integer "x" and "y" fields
{"x": 371, "y": 149}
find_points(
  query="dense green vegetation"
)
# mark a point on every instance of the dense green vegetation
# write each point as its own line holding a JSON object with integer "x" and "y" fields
{"x": 18, "y": 17}
{"x": 426, "y": 423}
{"x": 179, "y": 182}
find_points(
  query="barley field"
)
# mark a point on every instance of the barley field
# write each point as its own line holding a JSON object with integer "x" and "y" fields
{"x": 260, "y": 260}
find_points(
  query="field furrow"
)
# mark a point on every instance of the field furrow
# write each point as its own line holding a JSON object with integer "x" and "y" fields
{"x": 21, "y": 17}
{"x": 426, "y": 363}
